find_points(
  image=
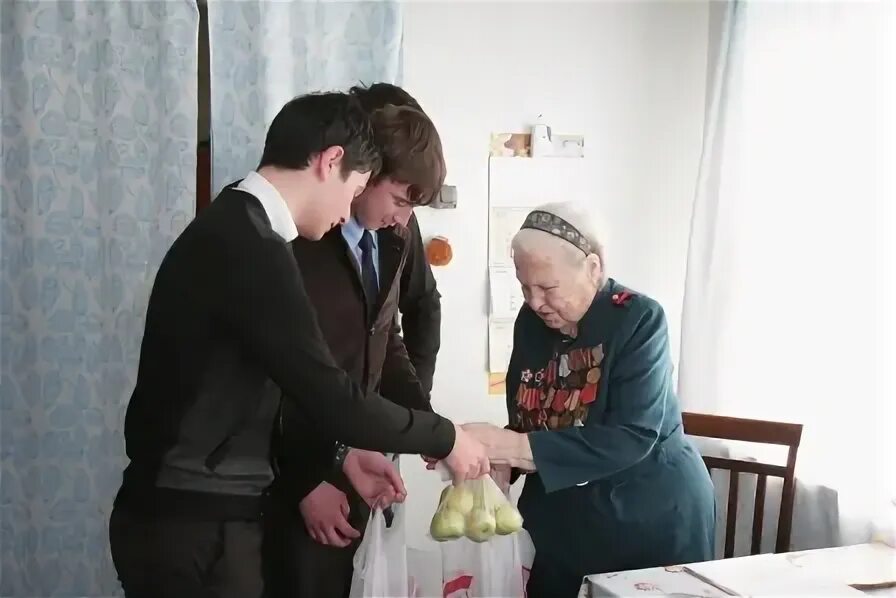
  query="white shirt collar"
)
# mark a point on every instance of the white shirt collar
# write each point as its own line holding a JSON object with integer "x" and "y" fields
{"x": 273, "y": 203}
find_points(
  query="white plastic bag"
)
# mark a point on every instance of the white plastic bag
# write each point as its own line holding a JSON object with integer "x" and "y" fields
{"x": 499, "y": 567}
{"x": 381, "y": 562}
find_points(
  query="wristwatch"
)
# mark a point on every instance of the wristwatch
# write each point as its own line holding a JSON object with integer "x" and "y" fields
{"x": 342, "y": 451}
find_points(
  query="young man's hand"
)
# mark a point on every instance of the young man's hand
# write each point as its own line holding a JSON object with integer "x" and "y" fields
{"x": 469, "y": 458}
{"x": 374, "y": 477}
{"x": 325, "y": 512}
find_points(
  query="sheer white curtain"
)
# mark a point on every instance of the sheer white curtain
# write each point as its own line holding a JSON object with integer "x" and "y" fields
{"x": 98, "y": 178}
{"x": 264, "y": 53}
{"x": 788, "y": 300}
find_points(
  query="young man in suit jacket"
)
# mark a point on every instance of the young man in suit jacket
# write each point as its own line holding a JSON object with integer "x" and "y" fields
{"x": 419, "y": 302}
{"x": 229, "y": 332}
{"x": 354, "y": 278}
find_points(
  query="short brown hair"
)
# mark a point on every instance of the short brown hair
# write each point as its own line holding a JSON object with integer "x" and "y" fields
{"x": 411, "y": 150}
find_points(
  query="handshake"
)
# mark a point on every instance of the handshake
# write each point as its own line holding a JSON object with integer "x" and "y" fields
{"x": 481, "y": 447}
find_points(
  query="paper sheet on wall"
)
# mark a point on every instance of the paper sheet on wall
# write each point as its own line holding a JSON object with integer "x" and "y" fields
{"x": 505, "y": 293}
{"x": 500, "y": 343}
{"x": 503, "y": 224}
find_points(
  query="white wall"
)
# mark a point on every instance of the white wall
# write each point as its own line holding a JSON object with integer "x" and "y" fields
{"x": 631, "y": 77}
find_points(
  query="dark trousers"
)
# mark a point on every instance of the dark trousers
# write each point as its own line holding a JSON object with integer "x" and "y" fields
{"x": 549, "y": 581}
{"x": 166, "y": 557}
{"x": 299, "y": 567}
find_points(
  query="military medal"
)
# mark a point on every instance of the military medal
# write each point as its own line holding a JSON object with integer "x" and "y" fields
{"x": 564, "y": 366}
{"x": 593, "y": 376}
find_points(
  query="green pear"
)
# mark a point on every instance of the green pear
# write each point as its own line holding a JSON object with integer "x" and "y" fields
{"x": 480, "y": 525}
{"x": 460, "y": 499}
{"x": 508, "y": 520}
{"x": 446, "y": 524}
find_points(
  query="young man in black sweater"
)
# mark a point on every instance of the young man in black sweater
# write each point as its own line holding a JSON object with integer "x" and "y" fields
{"x": 229, "y": 331}
{"x": 354, "y": 278}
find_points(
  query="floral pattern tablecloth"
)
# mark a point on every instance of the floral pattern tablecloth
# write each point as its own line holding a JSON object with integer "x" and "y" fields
{"x": 868, "y": 569}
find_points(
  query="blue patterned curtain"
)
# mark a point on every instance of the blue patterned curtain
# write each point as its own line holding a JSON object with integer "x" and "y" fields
{"x": 264, "y": 53}
{"x": 99, "y": 168}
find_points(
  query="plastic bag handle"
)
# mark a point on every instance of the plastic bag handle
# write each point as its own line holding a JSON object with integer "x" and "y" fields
{"x": 444, "y": 472}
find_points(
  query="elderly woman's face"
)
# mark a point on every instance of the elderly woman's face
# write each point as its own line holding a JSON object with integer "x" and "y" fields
{"x": 557, "y": 288}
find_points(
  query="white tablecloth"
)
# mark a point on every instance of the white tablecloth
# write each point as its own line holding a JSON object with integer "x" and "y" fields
{"x": 844, "y": 571}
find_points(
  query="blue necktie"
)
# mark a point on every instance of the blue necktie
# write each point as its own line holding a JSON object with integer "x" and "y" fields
{"x": 368, "y": 274}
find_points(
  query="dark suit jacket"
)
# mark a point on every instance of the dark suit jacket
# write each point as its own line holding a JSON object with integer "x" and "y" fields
{"x": 421, "y": 310}
{"x": 370, "y": 349}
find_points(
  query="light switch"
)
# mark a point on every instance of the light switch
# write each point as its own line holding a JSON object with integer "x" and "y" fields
{"x": 446, "y": 198}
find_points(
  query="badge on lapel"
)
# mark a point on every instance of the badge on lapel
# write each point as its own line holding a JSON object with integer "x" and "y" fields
{"x": 621, "y": 298}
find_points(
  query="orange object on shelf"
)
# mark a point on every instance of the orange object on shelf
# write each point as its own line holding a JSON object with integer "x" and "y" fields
{"x": 438, "y": 251}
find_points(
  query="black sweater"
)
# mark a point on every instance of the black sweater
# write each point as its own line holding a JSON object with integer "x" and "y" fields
{"x": 229, "y": 330}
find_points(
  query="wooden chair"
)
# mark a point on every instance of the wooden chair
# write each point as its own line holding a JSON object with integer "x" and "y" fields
{"x": 757, "y": 431}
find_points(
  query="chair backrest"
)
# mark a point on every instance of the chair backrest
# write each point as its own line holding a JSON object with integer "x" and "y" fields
{"x": 757, "y": 431}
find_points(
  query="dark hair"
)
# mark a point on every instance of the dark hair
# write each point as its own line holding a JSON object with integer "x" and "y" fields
{"x": 411, "y": 151}
{"x": 379, "y": 95}
{"x": 309, "y": 124}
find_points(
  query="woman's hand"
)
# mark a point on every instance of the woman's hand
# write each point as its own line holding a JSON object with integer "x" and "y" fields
{"x": 501, "y": 475}
{"x": 504, "y": 447}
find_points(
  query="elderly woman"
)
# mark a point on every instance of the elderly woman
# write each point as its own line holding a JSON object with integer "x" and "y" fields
{"x": 612, "y": 483}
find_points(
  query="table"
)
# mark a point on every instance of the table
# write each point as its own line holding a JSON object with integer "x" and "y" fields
{"x": 860, "y": 570}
